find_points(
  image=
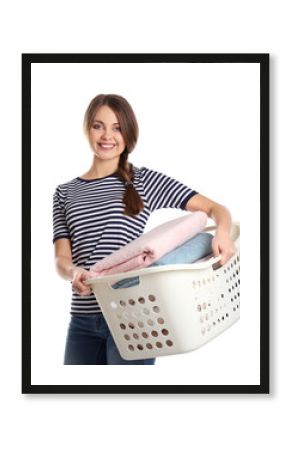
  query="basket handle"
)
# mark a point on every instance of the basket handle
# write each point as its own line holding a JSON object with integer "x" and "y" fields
{"x": 210, "y": 228}
{"x": 214, "y": 262}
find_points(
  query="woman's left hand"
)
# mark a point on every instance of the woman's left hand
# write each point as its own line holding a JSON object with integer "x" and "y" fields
{"x": 223, "y": 245}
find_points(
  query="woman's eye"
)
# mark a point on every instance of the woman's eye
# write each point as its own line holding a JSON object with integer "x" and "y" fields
{"x": 97, "y": 126}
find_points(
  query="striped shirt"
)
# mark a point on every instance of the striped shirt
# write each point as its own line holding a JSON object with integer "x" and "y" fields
{"x": 90, "y": 214}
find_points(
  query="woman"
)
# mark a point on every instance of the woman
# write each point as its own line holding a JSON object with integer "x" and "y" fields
{"x": 106, "y": 208}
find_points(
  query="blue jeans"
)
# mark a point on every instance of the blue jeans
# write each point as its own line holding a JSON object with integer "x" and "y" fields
{"x": 89, "y": 342}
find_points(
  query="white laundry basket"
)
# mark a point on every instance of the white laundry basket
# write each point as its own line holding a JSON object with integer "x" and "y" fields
{"x": 175, "y": 308}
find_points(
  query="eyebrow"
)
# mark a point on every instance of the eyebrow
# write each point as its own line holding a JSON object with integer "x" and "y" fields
{"x": 95, "y": 121}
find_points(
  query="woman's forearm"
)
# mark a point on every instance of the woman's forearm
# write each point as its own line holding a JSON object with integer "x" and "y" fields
{"x": 64, "y": 267}
{"x": 222, "y": 243}
{"x": 222, "y": 217}
{"x": 77, "y": 275}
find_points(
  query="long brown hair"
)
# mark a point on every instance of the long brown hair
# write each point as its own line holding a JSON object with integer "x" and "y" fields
{"x": 129, "y": 129}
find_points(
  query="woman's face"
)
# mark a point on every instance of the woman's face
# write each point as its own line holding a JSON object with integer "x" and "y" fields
{"x": 105, "y": 135}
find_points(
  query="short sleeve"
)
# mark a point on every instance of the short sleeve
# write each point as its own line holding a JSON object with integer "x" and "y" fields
{"x": 162, "y": 191}
{"x": 60, "y": 228}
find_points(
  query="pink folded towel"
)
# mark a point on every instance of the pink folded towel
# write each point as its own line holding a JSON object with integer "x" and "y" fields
{"x": 151, "y": 246}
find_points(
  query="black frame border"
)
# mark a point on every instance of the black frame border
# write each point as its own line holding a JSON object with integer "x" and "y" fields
{"x": 261, "y": 58}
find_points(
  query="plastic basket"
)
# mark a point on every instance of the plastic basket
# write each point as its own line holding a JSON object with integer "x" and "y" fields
{"x": 175, "y": 308}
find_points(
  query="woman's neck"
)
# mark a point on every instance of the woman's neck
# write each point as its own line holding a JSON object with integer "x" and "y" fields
{"x": 101, "y": 169}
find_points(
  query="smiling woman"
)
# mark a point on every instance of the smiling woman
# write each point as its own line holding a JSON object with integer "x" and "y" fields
{"x": 112, "y": 131}
{"x": 105, "y": 136}
{"x": 105, "y": 209}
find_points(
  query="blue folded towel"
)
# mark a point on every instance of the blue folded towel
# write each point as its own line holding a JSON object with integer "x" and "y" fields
{"x": 186, "y": 253}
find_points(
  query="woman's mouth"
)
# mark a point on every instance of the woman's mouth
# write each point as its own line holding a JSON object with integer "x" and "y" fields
{"x": 106, "y": 146}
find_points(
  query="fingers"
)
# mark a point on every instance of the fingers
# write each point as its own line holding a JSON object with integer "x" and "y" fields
{"x": 225, "y": 249}
{"x": 78, "y": 284}
{"x": 224, "y": 258}
{"x": 215, "y": 248}
{"x": 226, "y": 254}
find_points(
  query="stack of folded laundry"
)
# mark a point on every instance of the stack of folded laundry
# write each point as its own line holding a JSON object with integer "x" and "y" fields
{"x": 178, "y": 241}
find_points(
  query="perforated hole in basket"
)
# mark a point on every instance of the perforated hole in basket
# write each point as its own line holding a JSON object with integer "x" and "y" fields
{"x": 141, "y": 319}
{"x": 225, "y": 297}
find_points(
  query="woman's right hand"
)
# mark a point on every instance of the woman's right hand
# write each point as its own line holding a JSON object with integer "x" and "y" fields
{"x": 79, "y": 276}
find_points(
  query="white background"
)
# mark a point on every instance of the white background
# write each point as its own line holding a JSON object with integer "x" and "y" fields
{"x": 71, "y": 421}
{"x": 198, "y": 123}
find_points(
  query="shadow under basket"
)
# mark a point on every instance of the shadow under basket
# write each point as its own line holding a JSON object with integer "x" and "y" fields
{"x": 175, "y": 308}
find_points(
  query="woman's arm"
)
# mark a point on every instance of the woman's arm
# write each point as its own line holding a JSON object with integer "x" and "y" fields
{"x": 222, "y": 243}
{"x": 66, "y": 269}
{"x": 63, "y": 258}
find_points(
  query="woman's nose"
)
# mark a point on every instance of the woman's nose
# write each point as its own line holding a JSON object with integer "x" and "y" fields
{"x": 107, "y": 133}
